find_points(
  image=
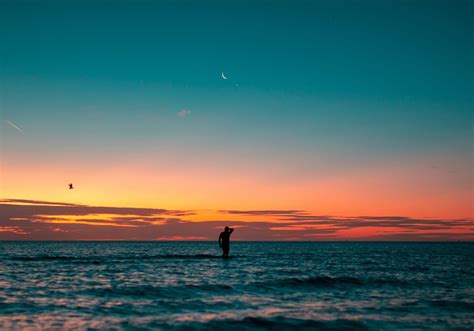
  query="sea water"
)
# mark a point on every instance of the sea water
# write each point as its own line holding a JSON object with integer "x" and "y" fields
{"x": 264, "y": 285}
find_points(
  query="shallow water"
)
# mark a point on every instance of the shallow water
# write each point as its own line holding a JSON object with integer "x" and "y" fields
{"x": 186, "y": 285}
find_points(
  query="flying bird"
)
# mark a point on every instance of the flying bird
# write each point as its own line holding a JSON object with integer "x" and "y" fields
{"x": 71, "y": 187}
{"x": 223, "y": 76}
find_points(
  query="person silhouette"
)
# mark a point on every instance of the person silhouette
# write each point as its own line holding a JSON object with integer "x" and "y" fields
{"x": 224, "y": 241}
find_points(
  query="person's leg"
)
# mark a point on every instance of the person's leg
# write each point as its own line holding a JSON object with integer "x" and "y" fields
{"x": 226, "y": 250}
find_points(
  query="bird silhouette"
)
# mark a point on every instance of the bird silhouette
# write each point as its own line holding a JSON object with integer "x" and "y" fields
{"x": 71, "y": 187}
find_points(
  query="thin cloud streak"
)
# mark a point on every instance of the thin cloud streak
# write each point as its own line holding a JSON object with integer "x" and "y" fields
{"x": 13, "y": 125}
{"x": 37, "y": 202}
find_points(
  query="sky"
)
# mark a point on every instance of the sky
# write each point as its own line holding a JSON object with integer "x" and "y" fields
{"x": 343, "y": 120}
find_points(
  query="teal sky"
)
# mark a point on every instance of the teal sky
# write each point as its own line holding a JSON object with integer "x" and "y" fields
{"x": 313, "y": 85}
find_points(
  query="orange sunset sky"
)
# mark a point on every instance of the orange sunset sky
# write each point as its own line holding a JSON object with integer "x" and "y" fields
{"x": 171, "y": 122}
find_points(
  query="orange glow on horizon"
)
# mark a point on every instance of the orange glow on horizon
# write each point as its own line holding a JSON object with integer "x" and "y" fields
{"x": 385, "y": 189}
{"x": 88, "y": 223}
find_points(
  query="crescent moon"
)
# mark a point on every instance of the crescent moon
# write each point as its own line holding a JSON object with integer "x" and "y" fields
{"x": 223, "y": 76}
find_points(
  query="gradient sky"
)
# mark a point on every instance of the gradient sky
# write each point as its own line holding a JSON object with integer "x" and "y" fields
{"x": 341, "y": 108}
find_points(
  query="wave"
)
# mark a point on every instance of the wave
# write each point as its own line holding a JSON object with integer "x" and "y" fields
{"x": 166, "y": 291}
{"x": 134, "y": 291}
{"x": 41, "y": 258}
{"x": 453, "y": 305}
{"x": 104, "y": 259}
{"x": 177, "y": 256}
{"x": 325, "y": 281}
{"x": 210, "y": 287}
{"x": 276, "y": 323}
{"x": 320, "y": 281}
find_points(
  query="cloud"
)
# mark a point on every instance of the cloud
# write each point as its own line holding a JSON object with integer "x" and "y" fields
{"x": 261, "y": 212}
{"x": 73, "y": 221}
{"x": 184, "y": 113}
{"x": 13, "y": 229}
{"x": 60, "y": 208}
{"x": 42, "y": 220}
{"x": 232, "y": 226}
{"x": 305, "y": 227}
{"x": 171, "y": 238}
{"x": 422, "y": 236}
{"x": 379, "y": 221}
{"x": 37, "y": 202}
{"x": 16, "y": 127}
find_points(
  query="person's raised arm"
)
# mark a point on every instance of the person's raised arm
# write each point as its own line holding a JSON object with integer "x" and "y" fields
{"x": 231, "y": 230}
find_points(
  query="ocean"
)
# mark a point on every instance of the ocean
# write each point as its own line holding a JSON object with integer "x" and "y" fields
{"x": 263, "y": 286}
